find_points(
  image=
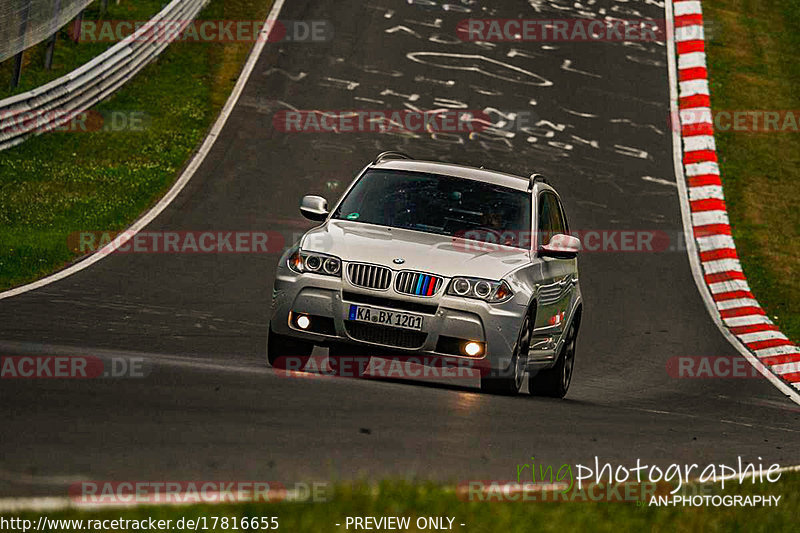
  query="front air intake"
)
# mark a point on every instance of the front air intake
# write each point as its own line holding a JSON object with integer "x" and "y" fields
{"x": 369, "y": 276}
{"x": 417, "y": 283}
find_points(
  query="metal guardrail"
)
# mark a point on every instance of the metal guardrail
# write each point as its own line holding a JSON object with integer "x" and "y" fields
{"x": 56, "y": 103}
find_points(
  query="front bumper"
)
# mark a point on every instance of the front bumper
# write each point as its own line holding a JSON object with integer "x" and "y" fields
{"x": 444, "y": 318}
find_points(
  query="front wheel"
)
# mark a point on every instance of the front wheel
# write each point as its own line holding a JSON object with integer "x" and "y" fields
{"x": 555, "y": 381}
{"x": 509, "y": 382}
{"x": 287, "y": 353}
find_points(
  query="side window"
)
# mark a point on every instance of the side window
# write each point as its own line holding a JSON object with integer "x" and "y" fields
{"x": 559, "y": 225}
{"x": 551, "y": 218}
{"x": 565, "y": 222}
{"x": 545, "y": 226}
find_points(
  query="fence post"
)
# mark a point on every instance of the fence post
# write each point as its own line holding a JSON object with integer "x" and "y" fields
{"x": 51, "y": 43}
{"x": 15, "y": 77}
{"x": 23, "y": 27}
{"x": 76, "y": 27}
{"x": 48, "y": 53}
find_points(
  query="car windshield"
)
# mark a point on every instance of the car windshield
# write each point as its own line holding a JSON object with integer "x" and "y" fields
{"x": 439, "y": 204}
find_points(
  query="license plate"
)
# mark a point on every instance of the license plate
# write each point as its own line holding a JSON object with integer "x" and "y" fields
{"x": 384, "y": 317}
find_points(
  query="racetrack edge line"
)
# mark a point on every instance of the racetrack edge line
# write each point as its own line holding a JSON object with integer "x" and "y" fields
{"x": 59, "y": 503}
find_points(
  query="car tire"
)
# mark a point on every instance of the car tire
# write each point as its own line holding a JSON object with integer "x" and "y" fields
{"x": 554, "y": 382}
{"x": 287, "y": 353}
{"x": 508, "y": 382}
{"x": 347, "y": 361}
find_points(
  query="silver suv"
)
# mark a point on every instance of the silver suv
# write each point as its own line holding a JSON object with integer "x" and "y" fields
{"x": 448, "y": 264}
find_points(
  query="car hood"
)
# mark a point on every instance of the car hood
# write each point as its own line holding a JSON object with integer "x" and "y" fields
{"x": 427, "y": 252}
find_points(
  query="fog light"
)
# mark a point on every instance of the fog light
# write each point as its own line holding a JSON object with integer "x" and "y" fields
{"x": 303, "y": 322}
{"x": 473, "y": 348}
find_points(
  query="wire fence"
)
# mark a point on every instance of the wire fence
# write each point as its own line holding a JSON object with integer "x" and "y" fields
{"x": 25, "y": 23}
{"x": 54, "y": 104}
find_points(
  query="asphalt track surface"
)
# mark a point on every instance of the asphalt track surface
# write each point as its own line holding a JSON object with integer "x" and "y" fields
{"x": 211, "y": 409}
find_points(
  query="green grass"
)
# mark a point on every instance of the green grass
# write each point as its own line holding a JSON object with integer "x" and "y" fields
{"x": 64, "y": 182}
{"x": 753, "y": 60}
{"x": 419, "y": 500}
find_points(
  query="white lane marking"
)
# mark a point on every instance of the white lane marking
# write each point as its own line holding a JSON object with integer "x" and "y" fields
{"x": 187, "y": 174}
{"x": 468, "y": 62}
{"x": 691, "y": 248}
{"x": 30, "y": 479}
{"x": 659, "y": 180}
{"x": 57, "y": 503}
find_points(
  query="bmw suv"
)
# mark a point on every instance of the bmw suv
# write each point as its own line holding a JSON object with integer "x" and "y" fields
{"x": 460, "y": 265}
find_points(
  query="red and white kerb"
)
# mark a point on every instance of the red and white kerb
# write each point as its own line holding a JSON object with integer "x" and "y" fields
{"x": 736, "y": 305}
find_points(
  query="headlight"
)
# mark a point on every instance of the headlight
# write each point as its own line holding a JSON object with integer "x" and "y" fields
{"x": 481, "y": 289}
{"x": 302, "y": 262}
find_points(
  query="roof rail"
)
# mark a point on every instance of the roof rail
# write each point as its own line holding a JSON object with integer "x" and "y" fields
{"x": 537, "y": 178}
{"x": 391, "y": 154}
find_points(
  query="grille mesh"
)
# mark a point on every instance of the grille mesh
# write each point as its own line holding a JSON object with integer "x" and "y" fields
{"x": 369, "y": 276}
{"x": 388, "y": 336}
{"x": 417, "y": 283}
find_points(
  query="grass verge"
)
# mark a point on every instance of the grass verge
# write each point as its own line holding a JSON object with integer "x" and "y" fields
{"x": 422, "y": 500}
{"x": 754, "y": 65}
{"x": 64, "y": 182}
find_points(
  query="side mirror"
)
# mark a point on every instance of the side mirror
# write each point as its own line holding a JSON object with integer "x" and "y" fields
{"x": 561, "y": 247}
{"x": 314, "y": 208}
